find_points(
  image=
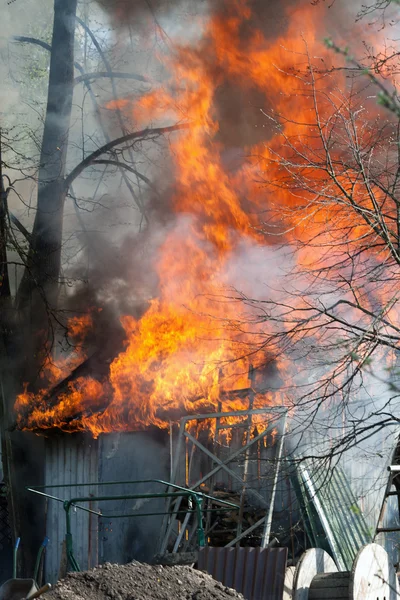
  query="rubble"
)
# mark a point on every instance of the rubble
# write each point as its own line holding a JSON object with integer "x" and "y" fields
{"x": 224, "y": 524}
{"x": 136, "y": 581}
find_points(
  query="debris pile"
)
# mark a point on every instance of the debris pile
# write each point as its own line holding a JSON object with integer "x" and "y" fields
{"x": 223, "y": 526}
{"x": 137, "y": 581}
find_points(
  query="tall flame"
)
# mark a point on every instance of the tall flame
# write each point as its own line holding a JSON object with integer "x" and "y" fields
{"x": 190, "y": 343}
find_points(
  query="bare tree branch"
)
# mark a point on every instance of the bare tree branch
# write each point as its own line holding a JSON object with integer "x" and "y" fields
{"x": 30, "y": 40}
{"x": 122, "y": 165}
{"x": 20, "y": 227}
{"x": 113, "y": 74}
{"x": 136, "y": 136}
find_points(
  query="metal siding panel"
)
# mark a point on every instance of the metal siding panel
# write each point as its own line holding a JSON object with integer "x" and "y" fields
{"x": 209, "y": 564}
{"x": 57, "y": 472}
{"x": 249, "y": 572}
{"x": 129, "y": 457}
{"x": 255, "y": 572}
{"x": 82, "y": 518}
{"x": 259, "y": 576}
{"x": 349, "y": 527}
{"x": 219, "y": 564}
{"x": 239, "y": 570}
{"x": 93, "y": 520}
{"x": 59, "y": 477}
{"x": 230, "y": 566}
{"x": 51, "y": 523}
{"x": 269, "y": 572}
{"x": 266, "y": 574}
{"x": 75, "y": 456}
{"x": 65, "y": 456}
{"x": 70, "y": 459}
{"x": 338, "y": 513}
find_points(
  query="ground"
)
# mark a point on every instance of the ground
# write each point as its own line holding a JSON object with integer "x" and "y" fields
{"x": 140, "y": 582}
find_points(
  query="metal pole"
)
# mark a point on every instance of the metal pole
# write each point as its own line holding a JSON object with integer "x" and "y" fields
{"x": 168, "y": 521}
{"x": 68, "y": 539}
{"x": 227, "y": 469}
{"x": 246, "y": 532}
{"x": 171, "y": 449}
{"x": 236, "y": 413}
{"x": 182, "y": 531}
{"x": 268, "y": 522}
{"x": 231, "y": 457}
{"x": 246, "y": 455}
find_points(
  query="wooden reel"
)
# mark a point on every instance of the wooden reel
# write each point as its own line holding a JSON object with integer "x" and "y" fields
{"x": 313, "y": 562}
{"x": 288, "y": 583}
{"x": 372, "y": 577}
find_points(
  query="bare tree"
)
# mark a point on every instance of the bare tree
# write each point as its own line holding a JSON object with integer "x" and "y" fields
{"x": 333, "y": 179}
{"x": 30, "y": 315}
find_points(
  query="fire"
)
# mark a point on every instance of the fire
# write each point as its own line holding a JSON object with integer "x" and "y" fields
{"x": 192, "y": 342}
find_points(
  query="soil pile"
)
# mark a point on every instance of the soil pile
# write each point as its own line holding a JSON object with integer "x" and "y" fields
{"x": 137, "y": 581}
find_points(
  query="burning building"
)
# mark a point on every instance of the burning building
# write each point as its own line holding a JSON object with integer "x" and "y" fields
{"x": 191, "y": 317}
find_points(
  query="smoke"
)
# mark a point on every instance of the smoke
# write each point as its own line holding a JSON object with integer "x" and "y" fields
{"x": 125, "y": 12}
{"x": 119, "y": 274}
{"x": 115, "y": 268}
{"x": 110, "y": 254}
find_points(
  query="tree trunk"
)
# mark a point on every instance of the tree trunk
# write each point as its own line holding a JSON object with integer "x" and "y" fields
{"x": 40, "y": 282}
{"x": 36, "y": 299}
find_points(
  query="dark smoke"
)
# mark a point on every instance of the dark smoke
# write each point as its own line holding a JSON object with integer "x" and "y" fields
{"x": 121, "y": 278}
{"x": 270, "y": 13}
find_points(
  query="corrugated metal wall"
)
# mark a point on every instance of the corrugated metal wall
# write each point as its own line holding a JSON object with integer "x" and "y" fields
{"x": 257, "y": 573}
{"x": 336, "y": 523}
{"x": 70, "y": 459}
{"x": 365, "y": 467}
{"x": 77, "y": 458}
{"x": 130, "y": 457}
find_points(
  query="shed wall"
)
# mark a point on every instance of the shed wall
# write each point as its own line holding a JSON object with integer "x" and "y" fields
{"x": 76, "y": 459}
{"x": 70, "y": 459}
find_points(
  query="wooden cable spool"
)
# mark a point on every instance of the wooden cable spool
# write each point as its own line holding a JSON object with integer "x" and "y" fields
{"x": 288, "y": 583}
{"x": 313, "y": 562}
{"x": 372, "y": 577}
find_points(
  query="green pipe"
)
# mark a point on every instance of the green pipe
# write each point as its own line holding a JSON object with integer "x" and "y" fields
{"x": 15, "y": 557}
{"x": 38, "y": 558}
{"x": 35, "y": 488}
{"x": 152, "y": 514}
{"x": 156, "y": 514}
{"x": 200, "y": 530}
{"x": 195, "y": 497}
{"x": 68, "y": 540}
{"x": 189, "y": 494}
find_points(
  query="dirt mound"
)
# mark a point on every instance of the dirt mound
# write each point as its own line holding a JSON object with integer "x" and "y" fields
{"x": 140, "y": 582}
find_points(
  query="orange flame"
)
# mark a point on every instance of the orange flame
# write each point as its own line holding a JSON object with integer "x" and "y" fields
{"x": 189, "y": 344}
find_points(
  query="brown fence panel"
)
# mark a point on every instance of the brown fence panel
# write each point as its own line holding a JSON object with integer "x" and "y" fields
{"x": 257, "y": 573}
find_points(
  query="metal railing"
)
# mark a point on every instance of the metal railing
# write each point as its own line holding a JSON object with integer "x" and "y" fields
{"x": 194, "y": 498}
